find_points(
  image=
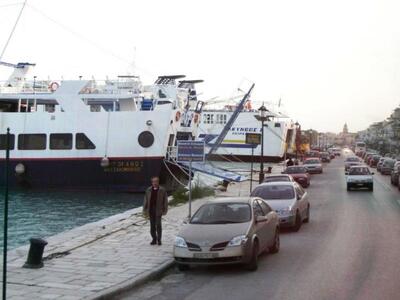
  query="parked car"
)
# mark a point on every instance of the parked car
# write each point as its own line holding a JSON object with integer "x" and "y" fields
{"x": 351, "y": 161}
{"x": 278, "y": 178}
{"x": 337, "y": 151}
{"x": 313, "y": 165}
{"x": 359, "y": 177}
{"x": 387, "y": 166}
{"x": 374, "y": 160}
{"x": 288, "y": 199}
{"x": 228, "y": 231}
{"x": 379, "y": 164}
{"x": 394, "y": 175}
{"x": 299, "y": 174}
{"x": 313, "y": 153}
{"x": 325, "y": 157}
{"x": 368, "y": 156}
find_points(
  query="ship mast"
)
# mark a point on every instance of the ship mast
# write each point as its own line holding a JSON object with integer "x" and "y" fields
{"x": 12, "y": 32}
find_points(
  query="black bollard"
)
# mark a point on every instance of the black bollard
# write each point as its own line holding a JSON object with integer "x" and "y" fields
{"x": 35, "y": 255}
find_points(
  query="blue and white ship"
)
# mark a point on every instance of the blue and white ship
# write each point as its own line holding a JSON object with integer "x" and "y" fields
{"x": 111, "y": 134}
{"x": 279, "y": 134}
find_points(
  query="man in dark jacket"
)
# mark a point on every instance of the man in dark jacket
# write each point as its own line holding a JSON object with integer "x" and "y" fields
{"x": 155, "y": 206}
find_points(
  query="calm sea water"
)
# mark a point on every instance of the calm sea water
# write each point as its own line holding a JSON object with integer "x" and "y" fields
{"x": 42, "y": 214}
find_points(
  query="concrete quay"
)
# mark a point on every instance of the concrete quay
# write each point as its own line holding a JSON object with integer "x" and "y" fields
{"x": 96, "y": 260}
{"x": 102, "y": 259}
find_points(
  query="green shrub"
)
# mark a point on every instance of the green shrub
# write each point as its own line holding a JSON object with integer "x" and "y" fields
{"x": 181, "y": 195}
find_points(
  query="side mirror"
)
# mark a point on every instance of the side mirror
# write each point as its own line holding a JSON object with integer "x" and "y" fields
{"x": 346, "y": 173}
{"x": 298, "y": 197}
{"x": 260, "y": 219}
{"x": 373, "y": 173}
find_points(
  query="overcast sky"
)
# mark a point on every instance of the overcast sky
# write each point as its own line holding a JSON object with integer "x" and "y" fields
{"x": 331, "y": 62}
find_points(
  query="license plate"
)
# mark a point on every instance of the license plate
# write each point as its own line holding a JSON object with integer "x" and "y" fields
{"x": 205, "y": 255}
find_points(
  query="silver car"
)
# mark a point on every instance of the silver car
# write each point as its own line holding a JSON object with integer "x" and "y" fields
{"x": 313, "y": 165}
{"x": 351, "y": 161}
{"x": 288, "y": 199}
{"x": 278, "y": 178}
{"x": 228, "y": 231}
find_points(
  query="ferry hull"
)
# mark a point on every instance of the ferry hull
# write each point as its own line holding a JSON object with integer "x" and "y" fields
{"x": 122, "y": 174}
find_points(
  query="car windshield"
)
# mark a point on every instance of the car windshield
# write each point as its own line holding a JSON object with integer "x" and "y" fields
{"x": 352, "y": 159}
{"x": 276, "y": 178}
{"x": 359, "y": 171}
{"x": 274, "y": 192}
{"x": 295, "y": 170}
{"x": 311, "y": 161}
{"x": 222, "y": 213}
{"x": 389, "y": 163}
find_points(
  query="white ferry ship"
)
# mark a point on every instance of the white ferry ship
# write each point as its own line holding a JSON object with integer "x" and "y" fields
{"x": 111, "y": 134}
{"x": 279, "y": 135}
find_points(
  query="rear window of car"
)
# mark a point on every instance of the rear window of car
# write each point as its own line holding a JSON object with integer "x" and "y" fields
{"x": 311, "y": 161}
{"x": 295, "y": 170}
{"x": 274, "y": 192}
{"x": 359, "y": 171}
{"x": 352, "y": 159}
{"x": 276, "y": 178}
{"x": 389, "y": 163}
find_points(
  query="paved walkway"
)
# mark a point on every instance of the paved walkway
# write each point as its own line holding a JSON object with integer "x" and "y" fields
{"x": 93, "y": 260}
{"x": 97, "y": 259}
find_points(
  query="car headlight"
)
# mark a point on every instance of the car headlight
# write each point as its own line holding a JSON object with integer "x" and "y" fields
{"x": 180, "y": 242}
{"x": 287, "y": 211}
{"x": 237, "y": 241}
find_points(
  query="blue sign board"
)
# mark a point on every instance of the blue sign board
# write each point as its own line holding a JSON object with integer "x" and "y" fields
{"x": 190, "y": 151}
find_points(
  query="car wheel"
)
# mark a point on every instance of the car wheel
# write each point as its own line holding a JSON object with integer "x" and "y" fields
{"x": 371, "y": 187}
{"x": 183, "y": 268}
{"x": 391, "y": 180}
{"x": 298, "y": 223}
{"x": 253, "y": 263}
{"x": 277, "y": 243}
{"x": 348, "y": 187}
{"x": 307, "y": 219}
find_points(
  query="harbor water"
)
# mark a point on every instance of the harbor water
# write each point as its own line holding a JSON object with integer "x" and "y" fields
{"x": 43, "y": 214}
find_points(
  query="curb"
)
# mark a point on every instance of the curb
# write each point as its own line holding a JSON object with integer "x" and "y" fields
{"x": 134, "y": 282}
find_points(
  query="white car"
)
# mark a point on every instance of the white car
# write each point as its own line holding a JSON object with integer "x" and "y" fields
{"x": 351, "y": 161}
{"x": 313, "y": 165}
{"x": 359, "y": 177}
{"x": 288, "y": 199}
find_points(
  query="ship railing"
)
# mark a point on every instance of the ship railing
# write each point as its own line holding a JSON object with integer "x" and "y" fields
{"x": 27, "y": 87}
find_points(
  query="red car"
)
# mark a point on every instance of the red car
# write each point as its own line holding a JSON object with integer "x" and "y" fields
{"x": 299, "y": 174}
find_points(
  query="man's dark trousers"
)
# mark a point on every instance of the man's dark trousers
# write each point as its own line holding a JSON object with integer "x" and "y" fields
{"x": 155, "y": 227}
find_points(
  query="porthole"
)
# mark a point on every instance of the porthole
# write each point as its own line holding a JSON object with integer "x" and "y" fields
{"x": 146, "y": 139}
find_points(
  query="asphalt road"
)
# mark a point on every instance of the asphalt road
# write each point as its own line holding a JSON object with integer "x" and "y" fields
{"x": 349, "y": 250}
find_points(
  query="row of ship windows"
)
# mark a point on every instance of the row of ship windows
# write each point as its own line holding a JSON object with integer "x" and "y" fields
{"x": 214, "y": 118}
{"x": 38, "y": 141}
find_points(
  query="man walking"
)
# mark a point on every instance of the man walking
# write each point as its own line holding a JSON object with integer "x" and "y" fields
{"x": 155, "y": 206}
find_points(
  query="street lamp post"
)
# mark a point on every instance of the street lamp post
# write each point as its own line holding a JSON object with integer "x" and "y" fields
{"x": 264, "y": 115}
{"x": 297, "y": 138}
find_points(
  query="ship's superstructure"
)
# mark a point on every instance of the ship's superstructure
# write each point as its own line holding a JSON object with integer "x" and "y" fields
{"x": 111, "y": 134}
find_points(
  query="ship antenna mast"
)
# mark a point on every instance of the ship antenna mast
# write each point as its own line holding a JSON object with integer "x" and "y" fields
{"x": 13, "y": 30}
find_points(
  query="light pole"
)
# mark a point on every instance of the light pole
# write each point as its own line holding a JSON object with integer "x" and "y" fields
{"x": 298, "y": 137}
{"x": 264, "y": 115}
